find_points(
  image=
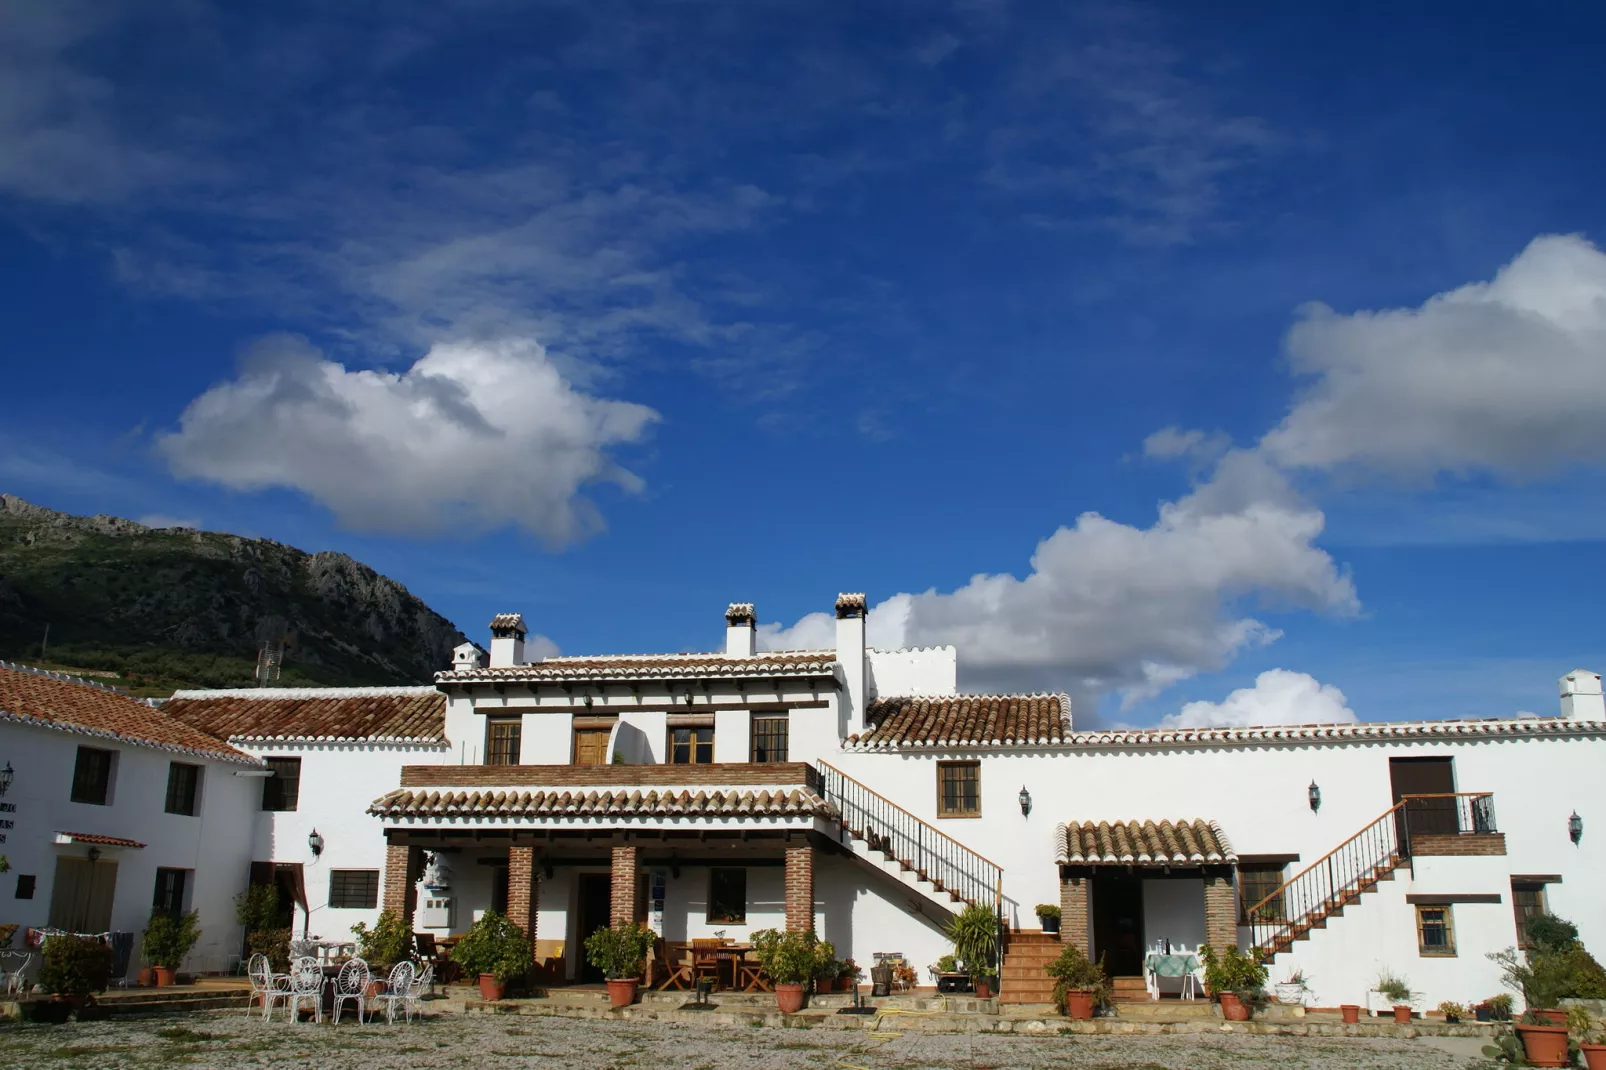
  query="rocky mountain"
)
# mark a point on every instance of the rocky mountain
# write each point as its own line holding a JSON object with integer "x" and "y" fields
{"x": 171, "y": 607}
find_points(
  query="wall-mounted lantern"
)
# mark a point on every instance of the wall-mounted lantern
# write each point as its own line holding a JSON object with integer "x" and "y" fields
{"x": 1314, "y": 794}
{"x": 94, "y": 854}
{"x": 1575, "y": 828}
{"x": 1025, "y": 802}
{"x": 315, "y": 842}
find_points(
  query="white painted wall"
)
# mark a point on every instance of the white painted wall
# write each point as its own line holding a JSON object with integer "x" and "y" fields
{"x": 926, "y": 670}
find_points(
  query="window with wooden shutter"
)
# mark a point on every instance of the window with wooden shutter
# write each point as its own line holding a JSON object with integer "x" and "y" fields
{"x": 183, "y": 786}
{"x": 958, "y": 789}
{"x": 504, "y": 737}
{"x": 282, "y": 790}
{"x": 691, "y": 746}
{"x": 92, "y": 776}
{"x": 1435, "y": 932}
{"x": 770, "y": 739}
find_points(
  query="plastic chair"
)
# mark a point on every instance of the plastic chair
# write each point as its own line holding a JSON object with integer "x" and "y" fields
{"x": 351, "y": 985}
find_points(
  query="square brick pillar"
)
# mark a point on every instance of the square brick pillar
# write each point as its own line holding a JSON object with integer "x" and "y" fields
{"x": 626, "y": 879}
{"x": 800, "y": 889}
{"x": 402, "y": 867}
{"x": 523, "y": 889}
{"x": 1074, "y": 903}
{"x": 1221, "y": 911}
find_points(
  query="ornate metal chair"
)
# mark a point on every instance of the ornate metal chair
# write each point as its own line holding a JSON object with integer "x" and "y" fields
{"x": 397, "y": 987}
{"x": 260, "y": 974}
{"x": 351, "y": 985}
{"x": 306, "y": 986}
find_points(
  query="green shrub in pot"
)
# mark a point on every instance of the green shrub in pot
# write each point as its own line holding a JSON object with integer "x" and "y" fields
{"x": 168, "y": 940}
{"x": 620, "y": 952}
{"x": 390, "y": 941}
{"x": 495, "y": 946}
{"x": 74, "y": 967}
{"x": 790, "y": 957}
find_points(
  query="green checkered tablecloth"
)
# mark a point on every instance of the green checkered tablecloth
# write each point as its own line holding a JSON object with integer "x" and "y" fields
{"x": 1170, "y": 965}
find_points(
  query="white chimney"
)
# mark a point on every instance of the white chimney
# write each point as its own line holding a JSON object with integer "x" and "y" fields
{"x": 468, "y": 656}
{"x": 1581, "y": 696}
{"x": 850, "y": 620}
{"x": 507, "y": 640}
{"x": 741, "y": 630}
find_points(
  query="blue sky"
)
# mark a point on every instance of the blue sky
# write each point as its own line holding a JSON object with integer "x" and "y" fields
{"x": 1140, "y": 351}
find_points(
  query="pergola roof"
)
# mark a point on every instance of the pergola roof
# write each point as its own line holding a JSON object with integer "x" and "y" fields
{"x": 1142, "y": 843}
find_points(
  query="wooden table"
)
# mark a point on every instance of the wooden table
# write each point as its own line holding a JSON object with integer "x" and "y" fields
{"x": 729, "y": 956}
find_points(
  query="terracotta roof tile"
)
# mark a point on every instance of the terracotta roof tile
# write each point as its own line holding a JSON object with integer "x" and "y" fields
{"x": 616, "y": 802}
{"x": 1122, "y": 739}
{"x": 55, "y": 700}
{"x": 509, "y": 622}
{"x": 966, "y": 720}
{"x": 91, "y": 837}
{"x": 1142, "y": 843}
{"x": 322, "y": 713}
{"x": 654, "y": 666}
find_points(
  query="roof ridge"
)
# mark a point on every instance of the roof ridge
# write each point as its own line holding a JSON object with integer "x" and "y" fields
{"x": 282, "y": 693}
{"x": 680, "y": 655}
{"x": 69, "y": 678}
{"x": 971, "y": 694}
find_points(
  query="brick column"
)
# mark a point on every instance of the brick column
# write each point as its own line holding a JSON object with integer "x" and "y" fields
{"x": 800, "y": 889}
{"x": 523, "y": 890}
{"x": 1073, "y": 912}
{"x": 1221, "y": 911}
{"x": 401, "y": 870}
{"x": 626, "y": 870}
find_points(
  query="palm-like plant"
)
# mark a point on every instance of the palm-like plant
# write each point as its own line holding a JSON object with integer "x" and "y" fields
{"x": 974, "y": 932}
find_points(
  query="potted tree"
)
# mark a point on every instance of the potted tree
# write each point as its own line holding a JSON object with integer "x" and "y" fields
{"x": 620, "y": 953}
{"x": 1398, "y": 992}
{"x": 496, "y": 951}
{"x": 1048, "y": 916}
{"x": 1236, "y": 979}
{"x": 826, "y": 967}
{"x": 790, "y": 959}
{"x": 974, "y": 932}
{"x": 74, "y": 969}
{"x": 390, "y": 941}
{"x": 167, "y": 941}
{"x": 1080, "y": 984}
{"x": 1591, "y": 1034}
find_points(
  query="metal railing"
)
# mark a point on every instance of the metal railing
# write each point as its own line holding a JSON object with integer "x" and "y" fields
{"x": 895, "y": 832}
{"x": 1354, "y": 866}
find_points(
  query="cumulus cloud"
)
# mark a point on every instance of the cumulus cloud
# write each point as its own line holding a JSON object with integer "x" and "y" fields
{"x": 1278, "y": 697}
{"x": 1506, "y": 377}
{"x": 473, "y": 436}
{"x": 1109, "y": 606}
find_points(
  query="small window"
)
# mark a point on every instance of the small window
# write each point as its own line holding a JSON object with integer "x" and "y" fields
{"x": 691, "y": 746}
{"x": 727, "y": 895}
{"x": 92, "y": 776}
{"x": 183, "y": 784}
{"x": 769, "y": 739}
{"x": 1256, "y": 882}
{"x": 25, "y": 882}
{"x": 356, "y": 889}
{"x": 282, "y": 790}
{"x": 1435, "y": 933}
{"x": 1527, "y": 900}
{"x": 958, "y": 789}
{"x": 169, "y": 899}
{"x": 503, "y": 740}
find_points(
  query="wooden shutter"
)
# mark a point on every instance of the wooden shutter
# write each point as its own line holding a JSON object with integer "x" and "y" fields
{"x": 81, "y": 897}
{"x": 591, "y": 746}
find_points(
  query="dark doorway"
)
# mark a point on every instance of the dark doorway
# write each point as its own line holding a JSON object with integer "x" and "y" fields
{"x": 1424, "y": 776}
{"x": 1118, "y": 923}
{"x": 596, "y": 903}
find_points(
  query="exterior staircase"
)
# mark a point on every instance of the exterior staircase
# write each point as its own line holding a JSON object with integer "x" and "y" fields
{"x": 1022, "y": 978}
{"x": 918, "y": 855}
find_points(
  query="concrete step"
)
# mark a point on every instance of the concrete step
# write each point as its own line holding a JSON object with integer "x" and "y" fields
{"x": 1165, "y": 1010}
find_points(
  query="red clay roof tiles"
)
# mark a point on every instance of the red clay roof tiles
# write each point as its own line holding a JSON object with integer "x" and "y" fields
{"x": 966, "y": 720}
{"x": 382, "y": 713}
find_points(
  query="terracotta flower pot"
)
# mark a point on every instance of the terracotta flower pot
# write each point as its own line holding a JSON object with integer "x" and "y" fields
{"x": 790, "y": 997}
{"x": 490, "y": 987}
{"x": 165, "y": 975}
{"x": 1232, "y": 1008}
{"x": 146, "y": 978}
{"x": 1552, "y": 1015}
{"x": 984, "y": 988}
{"x": 373, "y": 988}
{"x": 622, "y": 991}
{"x": 1351, "y": 1012}
{"x": 1594, "y": 1056}
{"x": 1544, "y": 1045}
{"x": 1402, "y": 1014}
{"x": 1079, "y": 1004}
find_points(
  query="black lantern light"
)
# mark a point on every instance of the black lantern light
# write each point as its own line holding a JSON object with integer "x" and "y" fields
{"x": 1025, "y": 802}
{"x": 94, "y": 854}
{"x": 1575, "y": 828}
{"x": 315, "y": 842}
{"x": 1314, "y": 794}
{"x": 5, "y": 779}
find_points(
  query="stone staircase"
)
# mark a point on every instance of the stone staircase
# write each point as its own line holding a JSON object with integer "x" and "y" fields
{"x": 1022, "y": 979}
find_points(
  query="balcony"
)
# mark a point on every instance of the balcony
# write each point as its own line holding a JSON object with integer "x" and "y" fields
{"x": 1450, "y": 824}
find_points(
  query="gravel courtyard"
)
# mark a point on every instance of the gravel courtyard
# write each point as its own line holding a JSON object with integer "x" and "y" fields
{"x": 233, "y": 1041}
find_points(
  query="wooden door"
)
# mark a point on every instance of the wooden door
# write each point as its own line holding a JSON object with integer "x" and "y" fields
{"x": 591, "y": 746}
{"x": 1118, "y": 923}
{"x": 596, "y": 908}
{"x": 81, "y": 897}
{"x": 1425, "y": 776}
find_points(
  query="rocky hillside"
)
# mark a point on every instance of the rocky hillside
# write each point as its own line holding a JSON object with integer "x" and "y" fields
{"x": 171, "y": 607}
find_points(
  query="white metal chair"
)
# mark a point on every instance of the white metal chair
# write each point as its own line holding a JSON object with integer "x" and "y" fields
{"x": 422, "y": 983}
{"x": 280, "y": 989}
{"x": 306, "y": 985}
{"x": 352, "y": 985}
{"x": 261, "y": 977}
{"x": 397, "y": 990}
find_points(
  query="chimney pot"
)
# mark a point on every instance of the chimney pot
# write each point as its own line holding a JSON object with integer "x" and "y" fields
{"x": 507, "y": 640}
{"x": 741, "y": 630}
{"x": 1581, "y": 698}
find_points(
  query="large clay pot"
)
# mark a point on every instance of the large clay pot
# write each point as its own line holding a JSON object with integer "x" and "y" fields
{"x": 490, "y": 987}
{"x": 622, "y": 991}
{"x": 1232, "y": 1008}
{"x": 1402, "y": 1014}
{"x": 1544, "y": 1045}
{"x": 790, "y": 997}
{"x": 984, "y": 988}
{"x": 1594, "y": 1056}
{"x": 1351, "y": 1012}
{"x": 1552, "y": 1015}
{"x": 146, "y": 978}
{"x": 1079, "y": 1004}
{"x": 165, "y": 975}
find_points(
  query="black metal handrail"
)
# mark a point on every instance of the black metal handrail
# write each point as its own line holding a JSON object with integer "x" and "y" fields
{"x": 889, "y": 828}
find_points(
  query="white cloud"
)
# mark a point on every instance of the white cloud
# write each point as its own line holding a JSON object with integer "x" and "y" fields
{"x": 1278, "y": 697}
{"x": 473, "y": 436}
{"x": 1109, "y": 606}
{"x": 1506, "y": 377}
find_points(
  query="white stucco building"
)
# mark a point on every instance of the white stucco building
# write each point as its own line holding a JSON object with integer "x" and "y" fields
{"x": 855, "y": 791}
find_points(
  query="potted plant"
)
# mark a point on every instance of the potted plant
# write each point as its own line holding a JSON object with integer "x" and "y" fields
{"x": 850, "y": 976}
{"x": 390, "y": 941}
{"x": 905, "y": 975}
{"x": 826, "y": 967}
{"x": 1236, "y": 978}
{"x": 985, "y": 979}
{"x": 620, "y": 953}
{"x": 791, "y": 960}
{"x": 257, "y": 911}
{"x": 494, "y": 950}
{"x": 1351, "y": 1012}
{"x": 1453, "y": 1012}
{"x": 1397, "y": 992}
{"x": 1295, "y": 989}
{"x": 167, "y": 941}
{"x": 974, "y": 932}
{"x": 1048, "y": 916}
{"x": 75, "y": 968}
{"x": 1080, "y": 984}
{"x": 1543, "y": 1043}
{"x": 1591, "y": 1036}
